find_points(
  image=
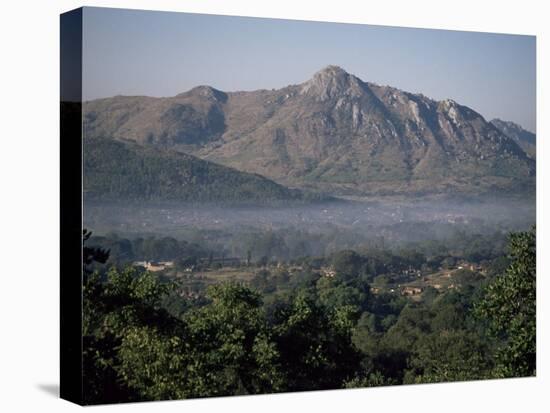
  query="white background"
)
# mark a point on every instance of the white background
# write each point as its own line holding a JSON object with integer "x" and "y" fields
{"x": 29, "y": 227}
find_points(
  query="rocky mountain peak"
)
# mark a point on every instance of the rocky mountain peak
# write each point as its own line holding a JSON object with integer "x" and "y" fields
{"x": 332, "y": 71}
{"x": 207, "y": 92}
{"x": 332, "y": 81}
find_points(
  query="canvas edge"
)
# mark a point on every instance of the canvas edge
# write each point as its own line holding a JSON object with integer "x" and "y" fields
{"x": 71, "y": 366}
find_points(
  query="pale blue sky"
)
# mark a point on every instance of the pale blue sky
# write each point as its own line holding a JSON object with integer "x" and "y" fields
{"x": 129, "y": 52}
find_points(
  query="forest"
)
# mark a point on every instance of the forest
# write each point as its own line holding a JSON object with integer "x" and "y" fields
{"x": 341, "y": 320}
{"x": 122, "y": 171}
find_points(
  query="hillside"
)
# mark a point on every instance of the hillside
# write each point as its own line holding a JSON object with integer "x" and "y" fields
{"x": 525, "y": 139}
{"x": 333, "y": 132}
{"x": 116, "y": 170}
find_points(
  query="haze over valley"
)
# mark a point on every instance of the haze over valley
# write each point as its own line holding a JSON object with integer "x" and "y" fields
{"x": 332, "y": 152}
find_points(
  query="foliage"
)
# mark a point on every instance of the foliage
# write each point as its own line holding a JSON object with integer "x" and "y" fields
{"x": 224, "y": 349}
{"x": 113, "y": 308}
{"x": 121, "y": 251}
{"x": 448, "y": 355}
{"x": 116, "y": 170}
{"x": 315, "y": 345}
{"x": 509, "y": 306}
{"x": 305, "y": 330}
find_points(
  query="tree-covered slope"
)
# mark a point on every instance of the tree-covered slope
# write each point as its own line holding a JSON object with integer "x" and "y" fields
{"x": 115, "y": 170}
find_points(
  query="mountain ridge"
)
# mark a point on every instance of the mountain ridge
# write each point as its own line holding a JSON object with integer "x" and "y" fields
{"x": 527, "y": 140}
{"x": 333, "y": 132}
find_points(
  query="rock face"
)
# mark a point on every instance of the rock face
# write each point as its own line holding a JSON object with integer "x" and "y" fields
{"x": 332, "y": 82}
{"x": 333, "y": 132}
{"x": 527, "y": 140}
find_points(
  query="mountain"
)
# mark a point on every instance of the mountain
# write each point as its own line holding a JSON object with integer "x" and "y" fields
{"x": 525, "y": 139}
{"x": 333, "y": 132}
{"x": 115, "y": 170}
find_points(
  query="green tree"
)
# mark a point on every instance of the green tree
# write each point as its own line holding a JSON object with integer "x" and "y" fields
{"x": 315, "y": 344}
{"x": 347, "y": 264}
{"x": 114, "y": 307}
{"x": 509, "y": 307}
{"x": 448, "y": 355}
{"x": 233, "y": 346}
{"x": 224, "y": 348}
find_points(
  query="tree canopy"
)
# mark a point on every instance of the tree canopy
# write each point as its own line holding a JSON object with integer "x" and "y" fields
{"x": 304, "y": 331}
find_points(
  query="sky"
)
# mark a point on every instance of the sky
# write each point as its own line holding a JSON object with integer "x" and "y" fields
{"x": 133, "y": 52}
